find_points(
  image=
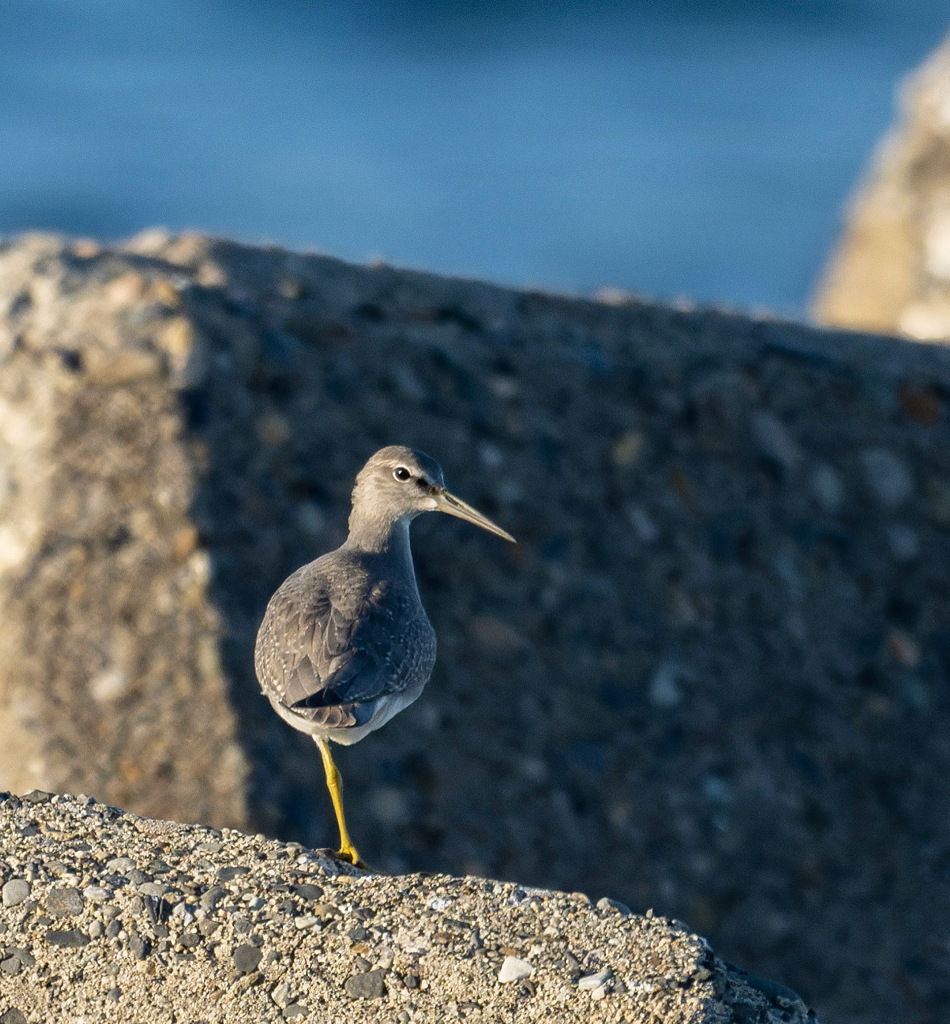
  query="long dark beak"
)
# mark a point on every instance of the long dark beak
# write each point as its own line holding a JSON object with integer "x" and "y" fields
{"x": 446, "y": 502}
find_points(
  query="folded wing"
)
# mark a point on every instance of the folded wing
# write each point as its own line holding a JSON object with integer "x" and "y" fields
{"x": 323, "y": 657}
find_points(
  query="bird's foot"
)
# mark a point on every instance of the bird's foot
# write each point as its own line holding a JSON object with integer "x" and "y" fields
{"x": 349, "y": 854}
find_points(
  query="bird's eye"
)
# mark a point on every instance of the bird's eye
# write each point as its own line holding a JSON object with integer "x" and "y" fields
{"x": 401, "y": 473}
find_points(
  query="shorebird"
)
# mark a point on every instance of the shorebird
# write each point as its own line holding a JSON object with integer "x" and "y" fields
{"x": 345, "y": 643}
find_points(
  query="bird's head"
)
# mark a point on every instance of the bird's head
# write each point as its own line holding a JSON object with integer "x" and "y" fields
{"x": 397, "y": 483}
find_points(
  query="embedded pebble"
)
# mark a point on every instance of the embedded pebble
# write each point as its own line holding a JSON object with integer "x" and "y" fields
{"x": 15, "y": 891}
{"x": 71, "y": 937}
{"x": 213, "y": 897}
{"x": 155, "y": 889}
{"x": 246, "y": 958}
{"x": 281, "y": 994}
{"x": 309, "y": 892}
{"x": 606, "y": 904}
{"x": 827, "y": 487}
{"x": 665, "y": 689}
{"x": 514, "y": 969}
{"x": 643, "y": 524}
{"x": 368, "y": 985}
{"x": 775, "y": 440}
{"x": 592, "y": 981}
{"x": 64, "y": 902}
{"x": 97, "y": 893}
{"x": 307, "y": 921}
{"x": 230, "y": 872}
{"x": 120, "y": 864}
{"x": 37, "y": 796}
{"x": 888, "y": 477}
{"x": 16, "y": 959}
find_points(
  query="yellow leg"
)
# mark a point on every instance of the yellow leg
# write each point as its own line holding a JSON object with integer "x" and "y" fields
{"x": 347, "y": 850}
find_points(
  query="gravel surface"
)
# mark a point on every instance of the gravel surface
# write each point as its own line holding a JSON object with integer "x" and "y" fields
{"x": 116, "y": 917}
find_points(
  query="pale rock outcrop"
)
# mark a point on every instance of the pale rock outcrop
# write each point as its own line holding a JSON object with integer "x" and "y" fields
{"x": 890, "y": 271}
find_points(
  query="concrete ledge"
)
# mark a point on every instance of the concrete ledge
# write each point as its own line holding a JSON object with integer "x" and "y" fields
{"x": 107, "y": 916}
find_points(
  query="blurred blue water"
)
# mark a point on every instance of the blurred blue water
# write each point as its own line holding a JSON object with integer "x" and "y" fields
{"x": 690, "y": 148}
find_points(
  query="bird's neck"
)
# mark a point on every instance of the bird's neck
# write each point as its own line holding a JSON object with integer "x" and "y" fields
{"x": 377, "y": 535}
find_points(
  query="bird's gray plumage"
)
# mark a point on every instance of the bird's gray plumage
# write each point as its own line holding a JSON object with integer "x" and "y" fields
{"x": 345, "y": 643}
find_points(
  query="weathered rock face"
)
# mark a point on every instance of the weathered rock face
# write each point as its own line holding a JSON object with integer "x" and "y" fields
{"x": 110, "y": 641}
{"x": 711, "y": 679}
{"x": 891, "y": 270}
{"x": 105, "y": 916}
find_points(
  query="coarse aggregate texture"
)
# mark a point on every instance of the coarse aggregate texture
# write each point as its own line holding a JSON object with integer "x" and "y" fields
{"x": 890, "y": 270}
{"x": 711, "y": 679}
{"x": 135, "y": 919}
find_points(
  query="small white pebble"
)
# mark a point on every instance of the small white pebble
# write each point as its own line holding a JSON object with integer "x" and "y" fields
{"x": 605, "y": 904}
{"x": 594, "y": 981}
{"x": 281, "y": 995}
{"x": 514, "y": 969}
{"x": 96, "y": 893}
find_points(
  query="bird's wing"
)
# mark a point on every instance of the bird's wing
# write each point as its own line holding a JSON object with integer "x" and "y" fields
{"x": 319, "y": 654}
